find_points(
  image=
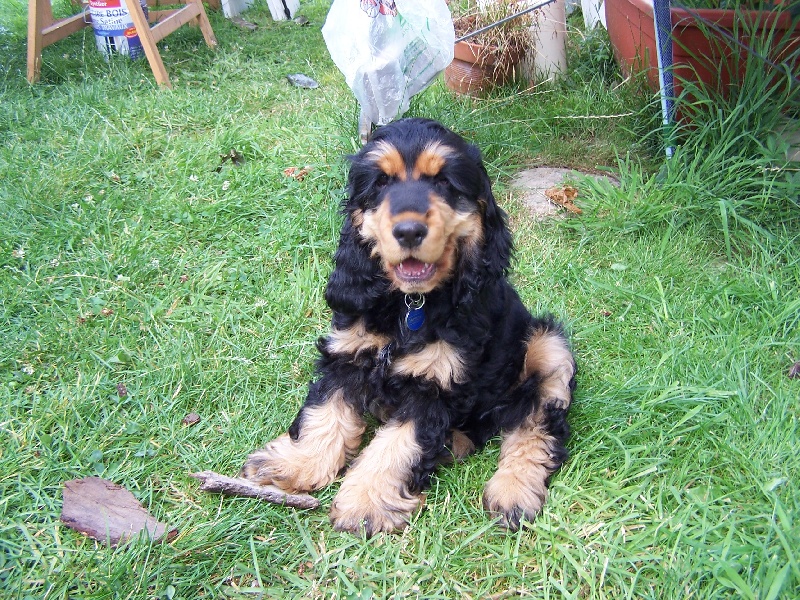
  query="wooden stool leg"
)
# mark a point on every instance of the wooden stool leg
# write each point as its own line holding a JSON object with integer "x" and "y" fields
{"x": 205, "y": 25}
{"x": 148, "y": 43}
{"x": 40, "y": 15}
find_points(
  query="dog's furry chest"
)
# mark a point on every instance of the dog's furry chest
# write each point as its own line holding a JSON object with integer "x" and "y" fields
{"x": 463, "y": 361}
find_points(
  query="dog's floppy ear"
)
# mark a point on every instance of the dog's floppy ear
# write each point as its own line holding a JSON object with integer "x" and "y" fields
{"x": 356, "y": 283}
{"x": 491, "y": 260}
{"x": 497, "y": 244}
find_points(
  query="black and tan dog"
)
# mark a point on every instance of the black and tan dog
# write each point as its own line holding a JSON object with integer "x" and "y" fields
{"x": 430, "y": 338}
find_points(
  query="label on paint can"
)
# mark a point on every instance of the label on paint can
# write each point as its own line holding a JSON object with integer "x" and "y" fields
{"x": 113, "y": 27}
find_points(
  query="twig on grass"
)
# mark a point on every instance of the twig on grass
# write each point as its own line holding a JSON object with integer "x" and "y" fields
{"x": 236, "y": 486}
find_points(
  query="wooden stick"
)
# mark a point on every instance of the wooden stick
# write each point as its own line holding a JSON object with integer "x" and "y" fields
{"x": 149, "y": 43}
{"x": 237, "y": 486}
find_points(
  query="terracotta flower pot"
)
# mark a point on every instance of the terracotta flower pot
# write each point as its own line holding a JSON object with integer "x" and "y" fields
{"x": 698, "y": 52}
{"x": 476, "y": 69}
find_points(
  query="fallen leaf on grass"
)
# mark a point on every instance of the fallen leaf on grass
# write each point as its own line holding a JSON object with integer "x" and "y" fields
{"x": 794, "y": 371}
{"x": 191, "y": 419}
{"x": 108, "y": 512}
{"x": 240, "y": 22}
{"x": 296, "y": 173}
{"x": 565, "y": 197}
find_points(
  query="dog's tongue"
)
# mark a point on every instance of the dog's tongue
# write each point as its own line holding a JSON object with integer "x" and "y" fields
{"x": 411, "y": 267}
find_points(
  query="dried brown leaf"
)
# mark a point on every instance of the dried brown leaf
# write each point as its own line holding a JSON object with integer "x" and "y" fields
{"x": 297, "y": 173}
{"x": 794, "y": 371}
{"x": 108, "y": 512}
{"x": 564, "y": 196}
{"x": 240, "y": 22}
{"x": 191, "y": 419}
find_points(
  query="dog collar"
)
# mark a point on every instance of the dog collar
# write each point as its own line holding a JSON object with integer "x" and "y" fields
{"x": 415, "y": 316}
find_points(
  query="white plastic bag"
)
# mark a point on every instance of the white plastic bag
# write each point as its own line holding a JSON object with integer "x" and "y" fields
{"x": 388, "y": 50}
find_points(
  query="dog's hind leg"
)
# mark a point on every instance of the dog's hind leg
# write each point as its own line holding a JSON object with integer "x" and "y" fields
{"x": 534, "y": 449}
{"x": 323, "y": 437}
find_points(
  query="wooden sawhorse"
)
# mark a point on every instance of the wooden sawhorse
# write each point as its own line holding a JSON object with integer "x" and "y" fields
{"x": 43, "y": 30}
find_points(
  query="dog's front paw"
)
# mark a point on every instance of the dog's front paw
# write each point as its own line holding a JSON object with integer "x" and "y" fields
{"x": 291, "y": 466}
{"x": 509, "y": 499}
{"x": 366, "y": 507}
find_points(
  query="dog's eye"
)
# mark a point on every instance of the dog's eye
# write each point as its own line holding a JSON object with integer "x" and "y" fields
{"x": 442, "y": 183}
{"x": 382, "y": 181}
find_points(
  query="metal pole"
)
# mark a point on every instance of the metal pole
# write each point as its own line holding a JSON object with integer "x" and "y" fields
{"x": 662, "y": 23}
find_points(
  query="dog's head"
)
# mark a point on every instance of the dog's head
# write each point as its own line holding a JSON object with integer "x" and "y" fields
{"x": 420, "y": 215}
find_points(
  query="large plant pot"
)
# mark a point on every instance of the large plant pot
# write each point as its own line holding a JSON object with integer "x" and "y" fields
{"x": 476, "y": 69}
{"x": 699, "y": 53}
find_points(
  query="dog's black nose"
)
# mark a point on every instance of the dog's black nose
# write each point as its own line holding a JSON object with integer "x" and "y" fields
{"x": 410, "y": 233}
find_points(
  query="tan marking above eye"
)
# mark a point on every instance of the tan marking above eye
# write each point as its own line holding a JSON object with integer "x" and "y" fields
{"x": 430, "y": 161}
{"x": 389, "y": 160}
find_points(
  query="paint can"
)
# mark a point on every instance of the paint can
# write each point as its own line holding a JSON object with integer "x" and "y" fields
{"x": 113, "y": 27}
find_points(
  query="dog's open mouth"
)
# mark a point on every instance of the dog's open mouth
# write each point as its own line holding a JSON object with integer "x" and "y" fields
{"x": 413, "y": 270}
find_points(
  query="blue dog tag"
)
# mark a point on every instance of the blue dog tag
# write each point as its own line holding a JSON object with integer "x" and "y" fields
{"x": 415, "y": 318}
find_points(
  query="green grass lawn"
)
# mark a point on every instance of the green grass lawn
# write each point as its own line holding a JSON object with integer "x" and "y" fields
{"x": 143, "y": 279}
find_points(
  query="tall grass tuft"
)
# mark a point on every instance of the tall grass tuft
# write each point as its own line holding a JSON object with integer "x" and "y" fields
{"x": 730, "y": 169}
